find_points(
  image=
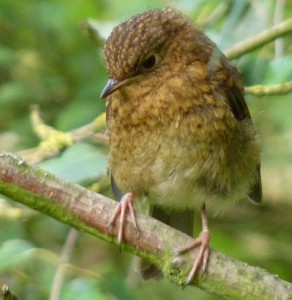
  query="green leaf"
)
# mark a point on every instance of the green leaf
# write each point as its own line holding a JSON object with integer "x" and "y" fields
{"x": 13, "y": 252}
{"x": 80, "y": 163}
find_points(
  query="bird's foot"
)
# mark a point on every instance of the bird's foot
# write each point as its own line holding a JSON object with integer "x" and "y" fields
{"x": 201, "y": 242}
{"x": 125, "y": 205}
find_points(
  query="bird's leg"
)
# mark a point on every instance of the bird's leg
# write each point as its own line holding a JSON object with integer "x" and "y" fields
{"x": 126, "y": 203}
{"x": 202, "y": 241}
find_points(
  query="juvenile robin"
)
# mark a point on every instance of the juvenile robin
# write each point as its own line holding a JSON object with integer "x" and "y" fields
{"x": 180, "y": 132}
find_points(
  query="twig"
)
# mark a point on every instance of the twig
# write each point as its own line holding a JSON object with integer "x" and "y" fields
{"x": 65, "y": 258}
{"x": 264, "y": 90}
{"x": 101, "y": 138}
{"x": 278, "y": 17}
{"x": 263, "y": 38}
{"x": 53, "y": 142}
{"x": 90, "y": 212}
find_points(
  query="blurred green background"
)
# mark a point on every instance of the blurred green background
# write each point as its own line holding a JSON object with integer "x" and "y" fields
{"x": 46, "y": 58}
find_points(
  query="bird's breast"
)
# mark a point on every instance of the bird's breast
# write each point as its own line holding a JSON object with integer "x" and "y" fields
{"x": 180, "y": 151}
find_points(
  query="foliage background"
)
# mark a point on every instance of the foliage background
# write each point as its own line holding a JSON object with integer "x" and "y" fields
{"x": 46, "y": 58}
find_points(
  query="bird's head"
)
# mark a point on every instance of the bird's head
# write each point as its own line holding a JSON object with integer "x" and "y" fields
{"x": 152, "y": 42}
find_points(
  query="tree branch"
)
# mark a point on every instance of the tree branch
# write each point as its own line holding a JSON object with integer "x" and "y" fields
{"x": 261, "y": 39}
{"x": 90, "y": 212}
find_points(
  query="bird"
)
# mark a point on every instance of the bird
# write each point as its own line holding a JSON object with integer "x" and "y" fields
{"x": 181, "y": 135}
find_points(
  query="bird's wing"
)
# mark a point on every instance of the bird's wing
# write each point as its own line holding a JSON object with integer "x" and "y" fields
{"x": 235, "y": 99}
{"x": 116, "y": 190}
{"x": 234, "y": 91}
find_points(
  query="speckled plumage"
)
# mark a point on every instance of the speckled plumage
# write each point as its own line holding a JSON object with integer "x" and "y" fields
{"x": 174, "y": 134}
{"x": 180, "y": 131}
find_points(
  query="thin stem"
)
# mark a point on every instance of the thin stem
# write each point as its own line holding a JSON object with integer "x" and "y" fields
{"x": 278, "y": 17}
{"x": 64, "y": 259}
{"x": 261, "y": 39}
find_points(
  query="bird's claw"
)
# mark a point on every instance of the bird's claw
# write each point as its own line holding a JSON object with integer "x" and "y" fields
{"x": 201, "y": 241}
{"x": 126, "y": 203}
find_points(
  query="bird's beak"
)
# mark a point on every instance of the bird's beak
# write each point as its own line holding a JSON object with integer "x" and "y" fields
{"x": 111, "y": 86}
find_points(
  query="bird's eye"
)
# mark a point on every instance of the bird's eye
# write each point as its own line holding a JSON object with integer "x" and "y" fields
{"x": 149, "y": 63}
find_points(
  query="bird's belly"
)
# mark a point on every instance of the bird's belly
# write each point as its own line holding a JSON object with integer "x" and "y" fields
{"x": 188, "y": 188}
{"x": 180, "y": 175}
{"x": 179, "y": 178}
{"x": 176, "y": 191}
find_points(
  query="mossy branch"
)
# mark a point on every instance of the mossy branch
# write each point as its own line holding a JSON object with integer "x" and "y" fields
{"x": 90, "y": 212}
